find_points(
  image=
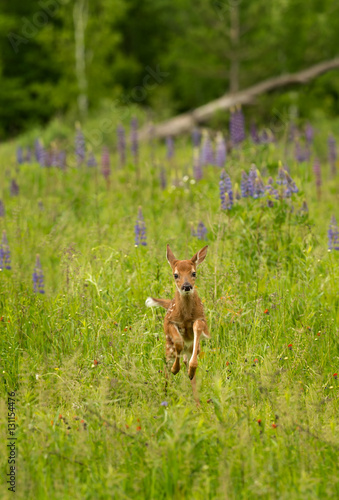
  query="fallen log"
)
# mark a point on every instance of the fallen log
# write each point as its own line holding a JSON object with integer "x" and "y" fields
{"x": 187, "y": 121}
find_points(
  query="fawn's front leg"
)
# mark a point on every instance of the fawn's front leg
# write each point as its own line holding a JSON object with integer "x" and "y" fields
{"x": 199, "y": 328}
{"x": 178, "y": 345}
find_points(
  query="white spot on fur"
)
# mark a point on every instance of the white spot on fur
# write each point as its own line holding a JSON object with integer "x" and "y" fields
{"x": 151, "y": 303}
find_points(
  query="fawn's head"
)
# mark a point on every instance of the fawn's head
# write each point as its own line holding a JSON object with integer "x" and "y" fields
{"x": 184, "y": 271}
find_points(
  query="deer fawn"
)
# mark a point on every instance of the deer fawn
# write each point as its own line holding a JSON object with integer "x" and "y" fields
{"x": 185, "y": 321}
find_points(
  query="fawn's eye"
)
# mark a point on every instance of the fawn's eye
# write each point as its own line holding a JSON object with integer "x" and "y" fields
{"x": 176, "y": 275}
{"x": 194, "y": 275}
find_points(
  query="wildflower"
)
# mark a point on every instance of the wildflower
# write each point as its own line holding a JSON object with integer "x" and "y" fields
{"x": 237, "y": 126}
{"x": 309, "y": 133}
{"x": 19, "y": 155}
{"x": 304, "y": 208}
{"x": 80, "y": 145}
{"x": 220, "y": 154}
{"x": 5, "y": 253}
{"x": 266, "y": 311}
{"x": 300, "y": 153}
{"x": 332, "y": 154}
{"x": 197, "y": 165}
{"x": 134, "y": 139}
{"x": 256, "y": 360}
{"x": 251, "y": 180}
{"x": 105, "y": 163}
{"x": 121, "y": 145}
{"x": 140, "y": 230}
{"x": 138, "y": 428}
{"x": 206, "y": 151}
{"x": 335, "y": 375}
{"x": 38, "y": 277}
{"x": 259, "y": 421}
{"x": 169, "y": 147}
{"x": 91, "y": 161}
{"x": 274, "y": 426}
{"x": 259, "y": 189}
{"x": 225, "y": 190}
{"x": 2, "y": 209}
{"x": 164, "y": 403}
{"x": 291, "y": 185}
{"x": 14, "y": 188}
{"x": 290, "y": 347}
{"x": 201, "y": 231}
{"x": 333, "y": 234}
{"x": 196, "y": 137}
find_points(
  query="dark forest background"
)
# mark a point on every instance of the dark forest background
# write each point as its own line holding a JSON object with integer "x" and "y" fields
{"x": 61, "y": 57}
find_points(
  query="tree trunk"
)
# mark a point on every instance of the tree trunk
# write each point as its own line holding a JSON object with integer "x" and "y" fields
{"x": 80, "y": 17}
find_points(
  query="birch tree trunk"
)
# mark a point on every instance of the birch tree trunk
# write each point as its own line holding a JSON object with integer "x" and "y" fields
{"x": 80, "y": 17}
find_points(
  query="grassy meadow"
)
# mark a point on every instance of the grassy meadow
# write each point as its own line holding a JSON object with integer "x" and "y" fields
{"x": 86, "y": 358}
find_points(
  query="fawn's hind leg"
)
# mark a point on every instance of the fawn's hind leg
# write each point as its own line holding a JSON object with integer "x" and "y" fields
{"x": 174, "y": 346}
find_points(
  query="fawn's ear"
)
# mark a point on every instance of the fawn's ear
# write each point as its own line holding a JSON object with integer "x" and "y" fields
{"x": 170, "y": 257}
{"x": 199, "y": 256}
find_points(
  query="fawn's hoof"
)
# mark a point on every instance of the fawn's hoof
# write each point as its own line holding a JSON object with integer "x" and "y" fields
{"x": 175, "y": 368}
{"x": 191, "y": 371}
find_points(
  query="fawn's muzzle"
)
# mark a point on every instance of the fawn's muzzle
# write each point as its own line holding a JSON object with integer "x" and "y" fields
{"x": 186, "y": 287}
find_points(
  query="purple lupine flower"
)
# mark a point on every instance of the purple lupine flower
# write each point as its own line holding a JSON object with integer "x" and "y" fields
{"x": 252, "y": 175}
{"x": 163, "y": 180}
{"x": 19, "y": 155}
{"x": 105, "y": 163}
{"x": 254, "y": 133}
{"x": 220, "y": 151}
{"x": 2, "y": 209}
{"x": 309, "y": 133}
{"x": 196, "y": 137}
{"x": 14, "y": 188}
{"x": 291, "y": 185}
{"x": 237, "y": 126}
{"x": 244, "y": 184}
{"x": 304, "y": 208}
{"x": 5, "y": 253}
{"x": 140, "y": 230}
{"x": 258, "y": 189}
{"x": 169, "y": 147}
{"x": 164, "y": 403}
{"x": 80, "y": 146}
{"x": 225, "y": 191}
{"x": 201, "y": 231}
{"x": 333, "y": 234}
{"x": 91, "y": 161}
{"x": 301, "y": 154}
{"x": 197, "y": 165}
{"x": 206, "y": 150}
{"x": 134, "y": 139}
{"x": 39, "y": 152}
{"x": 317, "y": 174}
{"x": 38, "y": 277}
{"x": 121, "y": 145}
{"x": 332, "y": 154}
{"x": 281, "y": 179}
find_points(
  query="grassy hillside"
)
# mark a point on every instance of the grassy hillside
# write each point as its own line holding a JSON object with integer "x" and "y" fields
{"x": 86, "y": 358}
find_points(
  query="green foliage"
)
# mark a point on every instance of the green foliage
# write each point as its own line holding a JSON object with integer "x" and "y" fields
{"x": 191, "y": 42}
{"x": 87, "y": 358}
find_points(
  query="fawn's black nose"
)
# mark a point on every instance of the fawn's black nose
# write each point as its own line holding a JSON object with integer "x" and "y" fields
{"x": 186, "y": 287}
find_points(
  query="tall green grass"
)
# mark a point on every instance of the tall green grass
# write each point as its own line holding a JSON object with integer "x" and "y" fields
{"x": 87, "y": 358}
